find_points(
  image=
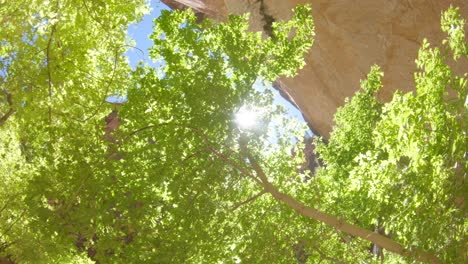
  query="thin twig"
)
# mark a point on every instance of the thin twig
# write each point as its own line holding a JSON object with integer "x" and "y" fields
{"x": 194, "y": 154}
{"x": 142, "y": 129}
{"x": 14, "y": 222}
{"x": 11, "y": 111}
{"x": 222, "y": 156}
{"x": 347, "y": 242}
{"x": 8, "y": 202}
{"x": 49, "y": 74}
{"x": 249, "y": 200}
{"x": 207, "y": 141}
{"x": 324, "y": 256}
{"x": 107, "y": 88}
{"x": 92, "y": 16}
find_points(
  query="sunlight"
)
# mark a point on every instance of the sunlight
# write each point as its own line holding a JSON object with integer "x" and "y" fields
{"x": 247, "y": 118}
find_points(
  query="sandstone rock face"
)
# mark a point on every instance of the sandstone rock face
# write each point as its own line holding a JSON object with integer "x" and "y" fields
{"x": 351, "y": 36}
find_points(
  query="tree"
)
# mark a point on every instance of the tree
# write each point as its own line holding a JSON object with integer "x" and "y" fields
{"x": 59, "y": 61}
{"x": 172, "y": 179}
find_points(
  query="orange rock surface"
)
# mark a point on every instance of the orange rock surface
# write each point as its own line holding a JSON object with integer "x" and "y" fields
{"x": 351, "y": 36}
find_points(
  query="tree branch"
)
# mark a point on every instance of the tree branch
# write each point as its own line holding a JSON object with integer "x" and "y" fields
{"x": 309, "y": 212}
{"x": 339, "y": 224}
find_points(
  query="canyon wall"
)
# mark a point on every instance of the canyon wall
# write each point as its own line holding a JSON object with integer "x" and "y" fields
{"x": 351, "y": 36}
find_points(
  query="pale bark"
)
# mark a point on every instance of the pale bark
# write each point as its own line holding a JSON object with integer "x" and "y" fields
{"x": 341, "y": 224}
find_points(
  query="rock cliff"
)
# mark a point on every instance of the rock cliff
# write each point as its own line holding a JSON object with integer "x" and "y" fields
{"x": 351, "y": 36}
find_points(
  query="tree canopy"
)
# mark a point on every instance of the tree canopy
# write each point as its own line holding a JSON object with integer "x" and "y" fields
{"x": 168, "y": 176}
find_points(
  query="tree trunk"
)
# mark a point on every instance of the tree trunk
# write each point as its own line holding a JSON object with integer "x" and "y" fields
{"x": 341, "y": 224}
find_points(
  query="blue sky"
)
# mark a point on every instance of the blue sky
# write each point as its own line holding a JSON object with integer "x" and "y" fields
{"x": 140, "y": 33}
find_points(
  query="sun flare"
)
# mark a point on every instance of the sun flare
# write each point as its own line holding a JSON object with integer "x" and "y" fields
{"x": 247, "y": 118}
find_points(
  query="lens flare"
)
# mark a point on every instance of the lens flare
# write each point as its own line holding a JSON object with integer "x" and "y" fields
{"x": 247, "y": 118}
